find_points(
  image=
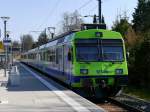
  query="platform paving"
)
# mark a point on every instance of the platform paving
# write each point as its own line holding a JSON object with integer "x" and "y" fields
{"x": 3, "y": 77}
{"x": 31, "y": 95}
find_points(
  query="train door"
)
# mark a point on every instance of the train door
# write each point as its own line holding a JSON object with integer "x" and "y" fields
{"x": 68, "y": 62}
{"x": 65, "y": 59}
{"x": 65, "y": 63}
{"x": 60, "y": 58}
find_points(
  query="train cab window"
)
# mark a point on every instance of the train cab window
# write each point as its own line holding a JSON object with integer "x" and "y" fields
{"x": 112, "y": 50}
{"x": 112, "y": 53}
{"x": 87, "y": 53}
{"x": 99, "y": 50}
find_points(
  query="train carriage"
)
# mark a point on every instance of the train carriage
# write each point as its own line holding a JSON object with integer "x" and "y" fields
{"x": 92, "y": 61}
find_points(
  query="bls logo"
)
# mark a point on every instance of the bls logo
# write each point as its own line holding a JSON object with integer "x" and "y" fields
{"x": 102, "y": 71}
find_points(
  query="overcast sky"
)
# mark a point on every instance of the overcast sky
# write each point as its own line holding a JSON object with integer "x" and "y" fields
{"x": 31, "y": 15}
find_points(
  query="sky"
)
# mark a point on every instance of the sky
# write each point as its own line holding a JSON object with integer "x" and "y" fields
{"x": 35, "y": 15}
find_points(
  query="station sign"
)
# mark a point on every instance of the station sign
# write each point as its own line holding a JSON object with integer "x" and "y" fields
{"x": 7, "y": 42}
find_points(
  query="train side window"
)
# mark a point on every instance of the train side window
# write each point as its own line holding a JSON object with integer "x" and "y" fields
{"x": 44, "y": 56}
{"x": 57, "y": 51}
{"x": 48, "y": 55}
{"x": 70, "y": 55}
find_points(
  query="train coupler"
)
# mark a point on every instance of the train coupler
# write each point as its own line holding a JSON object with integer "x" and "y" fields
{"x": 103, "y": 84}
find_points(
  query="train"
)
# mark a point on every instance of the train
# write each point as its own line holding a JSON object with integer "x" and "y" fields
{"x": 92, "y": 61}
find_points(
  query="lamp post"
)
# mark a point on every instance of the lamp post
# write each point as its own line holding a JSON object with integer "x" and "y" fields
{"x": 5, "y": 19}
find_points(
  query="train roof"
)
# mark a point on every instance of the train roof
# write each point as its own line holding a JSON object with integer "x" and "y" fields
{"x": 105, "y": 34}
{"x": 83, "y": 27}
{"x": 64, "y": 34}
{"x": 83, "y": 32}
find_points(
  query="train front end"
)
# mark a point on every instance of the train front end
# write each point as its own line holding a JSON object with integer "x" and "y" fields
{"x": 99, "y": 63}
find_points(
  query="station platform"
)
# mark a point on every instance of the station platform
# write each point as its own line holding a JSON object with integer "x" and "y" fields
{"x": 39, "y": 94}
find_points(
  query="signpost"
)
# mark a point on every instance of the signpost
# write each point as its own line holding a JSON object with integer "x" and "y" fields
{"x": 5, "y": 19}
{"x": 7, "y": 43}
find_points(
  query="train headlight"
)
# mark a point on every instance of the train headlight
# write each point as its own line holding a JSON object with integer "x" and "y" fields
{"x": 84, "y": 71}
{"x": 119, "y": 71}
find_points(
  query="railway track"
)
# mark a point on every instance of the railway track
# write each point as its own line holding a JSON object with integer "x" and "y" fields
{"x": 112, "y": 107}
{"x": 133, "y": 103}
{"x": 124, "y": 103}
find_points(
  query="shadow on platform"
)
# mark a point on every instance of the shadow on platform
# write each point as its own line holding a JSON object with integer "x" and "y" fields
{"x": 27, "y": 82}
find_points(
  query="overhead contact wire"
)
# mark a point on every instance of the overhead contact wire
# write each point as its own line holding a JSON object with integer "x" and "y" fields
{"x": 50, "y": 14}
{"x": 85, "y": 4}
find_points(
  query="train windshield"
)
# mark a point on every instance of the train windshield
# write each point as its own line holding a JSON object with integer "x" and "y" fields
{"x": 112, "y": 53}
{"x": 87, "y": 53}
{"x": 99, "y": 50}
{"x": 112, "y": 50}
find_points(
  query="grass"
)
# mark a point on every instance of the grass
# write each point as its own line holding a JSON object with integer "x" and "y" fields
{"x": 143, "y": 93}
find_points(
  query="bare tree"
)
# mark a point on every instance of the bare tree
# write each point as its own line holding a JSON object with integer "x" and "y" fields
{"x": 16, "y": 49}
{"x": 71, "y": 21}
{"x": 26, "y": 42}
{"x": 16, "y": 44}
{"x": 43, "y": 39}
